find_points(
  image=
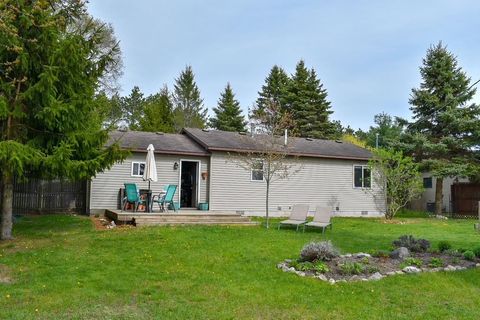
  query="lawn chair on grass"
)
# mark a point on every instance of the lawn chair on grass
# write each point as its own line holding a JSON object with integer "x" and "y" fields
{"x": 298, "y": 216}
{"x": 165, "y": 199}
{"x": 132, "y": 196}
{"x": 321, "y": 219}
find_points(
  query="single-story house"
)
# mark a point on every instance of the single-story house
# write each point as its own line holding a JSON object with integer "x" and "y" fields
{"x": 202, "y": 164}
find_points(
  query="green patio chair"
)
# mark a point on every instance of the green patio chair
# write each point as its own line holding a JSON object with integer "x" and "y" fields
{"x": 132, "y": 195}
{"x": 166, "y": 199}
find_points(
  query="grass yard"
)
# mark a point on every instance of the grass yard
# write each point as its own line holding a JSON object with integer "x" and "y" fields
{"x": 64, "y": 269}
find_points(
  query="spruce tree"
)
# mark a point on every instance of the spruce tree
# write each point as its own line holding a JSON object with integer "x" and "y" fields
{"x": 306, "y": 100}
{"x": 49, "y": 126}
{"x": 445, "y": 133}
{"x": 158, "y": 113}
{"x": 228, "y": 114}
{"x": 133, "y": 108}
{"x": 189, "y": 111}
{"x": 272, "y": 92}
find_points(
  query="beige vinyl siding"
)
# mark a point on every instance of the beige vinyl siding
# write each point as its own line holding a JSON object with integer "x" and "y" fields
{"x": 326, "y": 182}
{"x": 105, "y": 186}
{"x": 428, "y": 194}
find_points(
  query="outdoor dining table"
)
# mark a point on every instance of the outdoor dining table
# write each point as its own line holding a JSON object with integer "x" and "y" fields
{"x": 148, "y": 202}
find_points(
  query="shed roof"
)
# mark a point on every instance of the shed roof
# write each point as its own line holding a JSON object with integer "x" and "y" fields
{"x": 215, "y": 140}
{"x": 166, "y": 143}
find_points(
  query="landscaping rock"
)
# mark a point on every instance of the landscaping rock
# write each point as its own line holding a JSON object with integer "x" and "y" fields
{"x": 363, "y": 279}
{"x": 300, "y": 273}
{"x": 435, "y": 269}
{"x": 449, "y": 268}
{"x": 362, "y": 255}
{"x": 291, "y": 269}
{"x": 321, "y": 277}
{"x": 391, "y": 273}
{"x": 400, "y": 253}
{"x": 346, "y": 255}
{"x": 477, "y": 265}
{"x": 411, "y": 269}
{"x": 376, "y": 276}
{"x": 399, "y": 272}
{"x": 331, "y": 281}
{"x": 354, "y": 278}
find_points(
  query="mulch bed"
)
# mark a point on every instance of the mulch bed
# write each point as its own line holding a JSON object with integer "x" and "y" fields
{"x": 375, "y": 268}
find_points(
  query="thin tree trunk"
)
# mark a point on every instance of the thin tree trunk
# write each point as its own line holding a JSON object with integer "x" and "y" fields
{"x": 7, "y": 203}
{"x": 266, "y": 204}
{"x": 438, "y": 196}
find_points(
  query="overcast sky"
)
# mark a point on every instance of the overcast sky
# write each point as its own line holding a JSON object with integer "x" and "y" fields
{"x": 366, "y": 53}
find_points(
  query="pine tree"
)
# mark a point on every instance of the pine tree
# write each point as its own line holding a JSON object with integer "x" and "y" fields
{"x": 445, "y": 133}
{"x": 49, "y": 126}
{"x": 228, "y": 114}
{"x": 306, "y": 100}
{"x": 158, "y": 113}
{"x": 273, "y": 92}
{"x": 189, "y": 111}
{"x": 133, "y": 108}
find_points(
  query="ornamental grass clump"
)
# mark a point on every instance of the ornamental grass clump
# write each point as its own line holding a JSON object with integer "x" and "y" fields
{"x": 323, "y": 251}
{"x": 412, "y": 244}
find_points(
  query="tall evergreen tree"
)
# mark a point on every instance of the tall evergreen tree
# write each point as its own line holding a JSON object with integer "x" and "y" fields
{"x": 273, "y": 92}
{"x": 48, "y": 122}
{"x": 158, "y": 113}
{"x": 133, "y": 108}
{"x": 306, "y": 100}
{"x": 228, "y": 115}
{"x": 188, "y": 105}
{"x": 445, "y": 133}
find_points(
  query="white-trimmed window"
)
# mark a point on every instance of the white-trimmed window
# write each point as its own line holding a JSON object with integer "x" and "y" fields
{"x": 257, "y": 170}
{"x": 362, "y": 176}
{"x": 137, "y": 169}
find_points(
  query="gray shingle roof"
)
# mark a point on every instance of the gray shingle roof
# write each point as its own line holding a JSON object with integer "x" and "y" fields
{"x": 233, "y": 141}
{"x": 163, "y": 143}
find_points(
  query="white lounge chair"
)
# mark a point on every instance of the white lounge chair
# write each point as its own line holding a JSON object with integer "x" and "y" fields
{"x": 321, "y": 219}
{"x": 298, "y": 216}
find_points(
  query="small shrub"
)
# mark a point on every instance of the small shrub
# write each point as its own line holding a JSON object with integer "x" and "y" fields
{"x": 469, "y": 255}
{"x": 321, "y": 267}
{"x": 323, "y": 250}
{"x": 365, "y": 260}
{"x": 454, "y": 253}
{"x": 412, "y": 244}
{"x": 436, "y": 263}
{"x": 412, "y": 262}
{"x": 381, "y": 253}
{"x": 444, "y": 246}
{"x": 352, "y": 268}
{"x": 455, "y": 260}
{"x": 477, "y": 252}
{"x": 305, "y": 266}
{"x": 372, "y": 269}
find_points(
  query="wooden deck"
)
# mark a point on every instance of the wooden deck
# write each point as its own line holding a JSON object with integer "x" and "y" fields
{"x": 178, "y": 218}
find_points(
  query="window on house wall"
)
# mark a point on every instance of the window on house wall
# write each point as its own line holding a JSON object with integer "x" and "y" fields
{"x": 257, "y": 171}
{"x": 137, "y": 169}
{"x": 362, "y": 177}
{"x": 427, "y": 183}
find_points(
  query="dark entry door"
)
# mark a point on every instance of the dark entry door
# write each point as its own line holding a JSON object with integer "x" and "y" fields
{"x": 188, "y": 188}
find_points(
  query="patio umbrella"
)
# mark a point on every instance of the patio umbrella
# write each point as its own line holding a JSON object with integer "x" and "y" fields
{"x": 150, "y": 172}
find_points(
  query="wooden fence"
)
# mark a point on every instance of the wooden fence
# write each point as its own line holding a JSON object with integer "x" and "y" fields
{"x": 37, "y": 196}
{"x": 465, "y": 199}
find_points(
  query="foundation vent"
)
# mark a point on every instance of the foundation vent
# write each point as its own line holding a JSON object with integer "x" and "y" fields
{"x": 364, "y": 213}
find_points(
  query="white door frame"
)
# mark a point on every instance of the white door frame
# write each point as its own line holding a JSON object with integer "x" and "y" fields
{"x": 199, "y": 166}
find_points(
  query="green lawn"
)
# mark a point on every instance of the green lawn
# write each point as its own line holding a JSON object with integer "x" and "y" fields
{"x": 63, "y": 268}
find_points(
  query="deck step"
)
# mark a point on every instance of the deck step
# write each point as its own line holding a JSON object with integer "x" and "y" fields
{"x": 162, "y": 223}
